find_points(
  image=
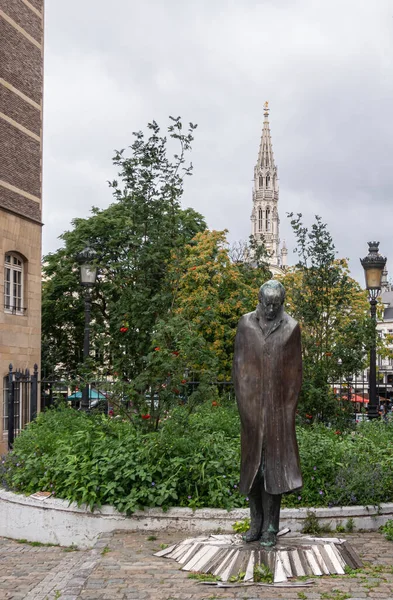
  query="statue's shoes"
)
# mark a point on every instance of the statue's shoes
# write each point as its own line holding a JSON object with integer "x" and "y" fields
{"x": 268, "y": 539}
{"x": 252, "y": 535}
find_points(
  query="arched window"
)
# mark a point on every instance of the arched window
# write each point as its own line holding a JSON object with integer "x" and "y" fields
{"x": 267, "y": 180}
{"x": 268, "y": 219}
{"x": 260, "y": 219}
{"x": 13, "y": 283}
{"x": 260, "y": 182}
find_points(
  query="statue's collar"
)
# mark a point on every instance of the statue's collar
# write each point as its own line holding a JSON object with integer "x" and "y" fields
{"x": 265, "y": 327}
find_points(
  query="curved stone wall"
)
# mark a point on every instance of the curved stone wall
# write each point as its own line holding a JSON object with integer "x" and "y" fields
{"x": 58, "y": 522}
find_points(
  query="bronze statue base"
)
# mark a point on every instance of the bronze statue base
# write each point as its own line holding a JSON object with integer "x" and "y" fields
{"x": 226, "y": 556}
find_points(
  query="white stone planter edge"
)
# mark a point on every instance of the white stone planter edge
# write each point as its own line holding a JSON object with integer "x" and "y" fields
{"x": 56, "y": 521}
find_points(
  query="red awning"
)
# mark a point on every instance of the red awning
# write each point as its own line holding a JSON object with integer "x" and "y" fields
{"x": 357, "y": 398}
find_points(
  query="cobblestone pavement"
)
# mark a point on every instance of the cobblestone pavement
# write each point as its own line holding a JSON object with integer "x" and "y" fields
{"x": 35, "y": 572}
{"x": 122, "y": 567}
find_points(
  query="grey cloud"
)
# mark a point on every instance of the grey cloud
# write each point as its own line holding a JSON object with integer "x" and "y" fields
{"x": 325, "y": 67}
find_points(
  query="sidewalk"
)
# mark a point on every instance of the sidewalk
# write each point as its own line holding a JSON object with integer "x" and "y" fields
{"x": 122, "y": 567}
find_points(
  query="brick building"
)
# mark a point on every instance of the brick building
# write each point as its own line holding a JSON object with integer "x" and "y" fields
{"x": 21, "y": 90}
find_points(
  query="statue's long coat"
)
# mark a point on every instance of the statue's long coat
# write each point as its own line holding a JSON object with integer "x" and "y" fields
{"x": 267, "y": 372}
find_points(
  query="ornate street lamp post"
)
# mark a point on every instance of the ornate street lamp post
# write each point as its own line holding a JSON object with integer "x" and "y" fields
{"x": 88, "y": 274}
{"x": 373, "y": 265}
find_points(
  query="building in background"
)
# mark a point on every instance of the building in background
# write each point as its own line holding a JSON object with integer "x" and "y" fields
{"x": 385, "y": 329}
{"x": 265, "y": 220}
{"x": 21, "y": 93}
{"x": 359, "y": 386}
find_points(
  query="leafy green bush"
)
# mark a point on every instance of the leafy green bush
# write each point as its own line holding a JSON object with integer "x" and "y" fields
{"x": 192, "y": 460}
{"x": 241, "y": 526}
{"x": 262, "y": 574}
{"x": 387, "y": 530}
{"x": 345, "y": 468}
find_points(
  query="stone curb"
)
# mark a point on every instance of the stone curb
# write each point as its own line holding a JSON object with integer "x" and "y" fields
{"x": 56, "y": 521}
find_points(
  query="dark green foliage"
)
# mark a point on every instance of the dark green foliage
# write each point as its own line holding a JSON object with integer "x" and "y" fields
{"x": 312, "y": 524}
{"x": 350, "y": 525}
{"x": 241, "y": 526}
{"x": 333, "y": 313}
{"x": 203, "y": 576}
{"x": 237, "y": 578}
{"x": 102, "y": 461}
{"x": 192, "y": 460}
{"x": 134, "y": 238}
{"x": 263, "y": 574}
{"x": 387, "y": 530}
{"x": 347, "y": 468}
{"x": 176, "y": 345}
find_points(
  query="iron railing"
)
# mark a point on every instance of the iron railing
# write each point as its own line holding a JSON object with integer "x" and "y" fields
{"x": 357, "y": 391}
{"x": 24, "y": 393}
{"x": 20, "y": 400}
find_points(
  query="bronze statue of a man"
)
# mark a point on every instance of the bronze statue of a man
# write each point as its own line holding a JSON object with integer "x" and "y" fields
{"x": 267, "y": 373}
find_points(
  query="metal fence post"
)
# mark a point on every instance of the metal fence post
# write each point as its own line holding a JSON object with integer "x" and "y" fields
{"x": 33, "y": 396}
{"x": 50, "y": 403}
{"x": 10, "y": 408}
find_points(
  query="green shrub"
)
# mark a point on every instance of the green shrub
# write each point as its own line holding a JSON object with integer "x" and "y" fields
{"x": 387, "y": 530}
{"x": 350, "y": 525}
{"x": 241, "y": 526}
{"x": 262, "y": 574}
{"x": 192, "y": 460}
{"x": 345, "y": 468}
{"x": 312, "y": 525}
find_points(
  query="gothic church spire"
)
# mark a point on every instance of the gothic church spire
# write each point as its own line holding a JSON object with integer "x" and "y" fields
{"x": 265, "y": 221}
{"x": 265, "y": 155}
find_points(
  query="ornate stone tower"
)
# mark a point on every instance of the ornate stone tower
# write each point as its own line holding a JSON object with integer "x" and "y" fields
{"x": 265, "y": 222}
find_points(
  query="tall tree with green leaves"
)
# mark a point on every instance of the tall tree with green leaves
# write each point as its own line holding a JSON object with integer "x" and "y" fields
{"x": 134, "y": 238}
{"x": 210, "y": 293}
{"x": 195, "y": 340}
{"x": 213, "y": 292}
{"x": 333, "y": 313}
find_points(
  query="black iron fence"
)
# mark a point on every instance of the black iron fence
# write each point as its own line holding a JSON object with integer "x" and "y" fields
{"x": 116, "y": 392}
{"x": 20, "y": 400}
{"x": 25, "y": 394}
{"x": 356, "y": 390}
{"x": 107, "y": 394}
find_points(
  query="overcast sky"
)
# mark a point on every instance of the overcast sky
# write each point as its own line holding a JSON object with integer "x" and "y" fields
{"x": 326, "y": 68}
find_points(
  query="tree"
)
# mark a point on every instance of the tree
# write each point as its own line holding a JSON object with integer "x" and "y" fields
{"x": 212, "y": 293}
{"x": 134, "y": 237}
{"x": 209, "y": 295}
{"x": 333, "y": 312}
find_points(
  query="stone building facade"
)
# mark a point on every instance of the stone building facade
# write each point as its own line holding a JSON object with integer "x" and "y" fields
{"x": 385, "y": 330}
{"x": 265, "y": 220}
{"x": 21, "y": 93}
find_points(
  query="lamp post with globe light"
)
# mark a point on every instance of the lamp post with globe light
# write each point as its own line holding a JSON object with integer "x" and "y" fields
{"x": 88, "y": 277}
{"x": 373, "y": 265}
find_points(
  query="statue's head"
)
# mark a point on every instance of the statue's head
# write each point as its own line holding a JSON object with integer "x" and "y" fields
{"x": 271, "y": 298}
